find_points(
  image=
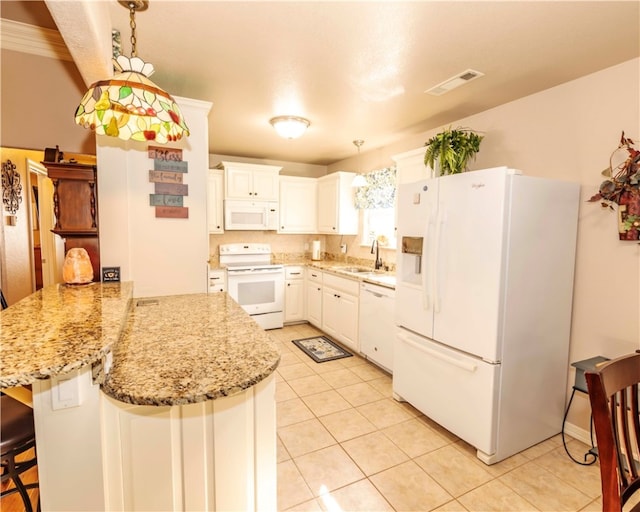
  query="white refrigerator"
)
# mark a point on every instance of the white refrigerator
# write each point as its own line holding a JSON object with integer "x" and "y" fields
{"x": 484, "y": 290}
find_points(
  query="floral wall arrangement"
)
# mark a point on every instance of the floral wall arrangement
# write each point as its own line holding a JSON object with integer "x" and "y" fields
{"x": 622, "y": 188}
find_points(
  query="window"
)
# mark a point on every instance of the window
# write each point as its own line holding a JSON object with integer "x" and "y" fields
{"x": 379, "y": 224}
{"x": 377, "y": 200}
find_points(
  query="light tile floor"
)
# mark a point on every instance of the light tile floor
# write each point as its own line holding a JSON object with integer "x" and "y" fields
{"x": 344, "y": 444}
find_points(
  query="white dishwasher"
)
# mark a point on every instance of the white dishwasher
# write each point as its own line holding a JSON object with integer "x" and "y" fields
{"x": 377, "y": 326}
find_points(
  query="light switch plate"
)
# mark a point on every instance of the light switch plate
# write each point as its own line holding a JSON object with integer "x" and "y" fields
{"x": 65, "y": 391}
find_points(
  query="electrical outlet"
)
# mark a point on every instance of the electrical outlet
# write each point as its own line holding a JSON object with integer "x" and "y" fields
{"x": 343, "y": 248}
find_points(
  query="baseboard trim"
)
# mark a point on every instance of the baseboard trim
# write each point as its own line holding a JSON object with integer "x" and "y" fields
{"x": 577, "y": 433}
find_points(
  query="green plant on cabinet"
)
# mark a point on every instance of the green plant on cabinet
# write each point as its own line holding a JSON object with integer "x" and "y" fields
{"x": 452, "y": 149}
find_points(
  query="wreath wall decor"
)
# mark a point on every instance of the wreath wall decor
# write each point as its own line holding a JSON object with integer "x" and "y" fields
{"x": 11, "y": 187}
{"x": 622, "y": 188}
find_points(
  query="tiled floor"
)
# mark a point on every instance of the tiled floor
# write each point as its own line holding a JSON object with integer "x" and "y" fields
{"x": 345, "y": 444}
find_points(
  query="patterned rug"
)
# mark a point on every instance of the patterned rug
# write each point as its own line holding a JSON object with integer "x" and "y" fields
{"x": 321, "y": 349}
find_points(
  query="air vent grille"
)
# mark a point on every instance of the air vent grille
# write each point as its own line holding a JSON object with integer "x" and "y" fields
{"x": 454, "y": 82}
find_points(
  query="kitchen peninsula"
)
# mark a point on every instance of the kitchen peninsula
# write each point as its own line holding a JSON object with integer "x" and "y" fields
{"x": 151, "y": 403}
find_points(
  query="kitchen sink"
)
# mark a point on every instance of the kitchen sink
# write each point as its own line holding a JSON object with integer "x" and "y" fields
{"x": 353, "y": 270}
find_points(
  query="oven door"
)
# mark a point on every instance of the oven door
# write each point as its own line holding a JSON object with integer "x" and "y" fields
{"x": 259, "y": 290}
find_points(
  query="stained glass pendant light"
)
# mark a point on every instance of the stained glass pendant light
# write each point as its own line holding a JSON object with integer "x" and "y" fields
{"x": 129, "y": 105}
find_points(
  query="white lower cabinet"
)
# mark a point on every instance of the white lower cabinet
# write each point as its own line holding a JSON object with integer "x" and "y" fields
{"x": 314, "y": 297}
{"x": 294, "y": 294}
{"x": 217, "y": 280}
{"x": 213, "y": 455}
{"x": 340, "y": 309}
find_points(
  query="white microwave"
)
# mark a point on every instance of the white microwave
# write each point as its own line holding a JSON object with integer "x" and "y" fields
{"x": 250, "y": 215}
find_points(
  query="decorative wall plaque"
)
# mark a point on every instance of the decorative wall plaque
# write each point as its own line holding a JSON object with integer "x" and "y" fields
{"x": 11, "y": 187}
{"x": 168, "y": 178}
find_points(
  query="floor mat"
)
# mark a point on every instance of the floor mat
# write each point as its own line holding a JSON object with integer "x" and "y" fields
{"x": 321, "y": 349}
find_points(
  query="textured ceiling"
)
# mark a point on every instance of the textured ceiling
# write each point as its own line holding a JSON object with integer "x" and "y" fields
{"x": 358, "y": 70}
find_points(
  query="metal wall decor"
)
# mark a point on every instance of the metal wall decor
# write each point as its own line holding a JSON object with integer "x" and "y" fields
{"x": 11, "y": 187}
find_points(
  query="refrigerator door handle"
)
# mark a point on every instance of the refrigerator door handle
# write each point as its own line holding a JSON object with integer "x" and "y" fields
{"x": 425, "y": 270}
{"x": 437, "y": 253}
{"x": 469, "y": 367}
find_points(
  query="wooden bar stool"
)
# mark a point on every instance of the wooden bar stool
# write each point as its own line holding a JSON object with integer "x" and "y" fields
{"x": 17, "y": 435}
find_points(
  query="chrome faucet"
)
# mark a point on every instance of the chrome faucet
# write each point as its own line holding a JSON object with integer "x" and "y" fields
{"x": 376, "y": 248}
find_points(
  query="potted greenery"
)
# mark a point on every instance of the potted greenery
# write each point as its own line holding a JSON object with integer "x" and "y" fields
{"x": 452, "y": 149}
{"x": 622, "y": 188}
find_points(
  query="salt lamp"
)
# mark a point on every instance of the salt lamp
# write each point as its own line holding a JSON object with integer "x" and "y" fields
{"x": 77, "y": 267}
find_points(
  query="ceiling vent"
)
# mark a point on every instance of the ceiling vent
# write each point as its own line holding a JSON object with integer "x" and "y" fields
{"x": 453, "y": 82}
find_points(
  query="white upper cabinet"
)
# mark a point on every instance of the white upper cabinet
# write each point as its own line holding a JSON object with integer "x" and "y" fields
{"x": 215, "y": 194}
{"x": 250, "y": 181}
{"x": 336, "y": 211}
{"x": 410, "y": 166}
{"x": 298, "y": 205}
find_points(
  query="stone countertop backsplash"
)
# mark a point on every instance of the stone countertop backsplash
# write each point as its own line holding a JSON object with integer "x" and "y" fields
{"x": 330, "y": 259}
{"x": 330, "y": 263}
{"x": 382, "y": 277}
{"x": 166, "y": 350}
{"x": 304, "y": 258}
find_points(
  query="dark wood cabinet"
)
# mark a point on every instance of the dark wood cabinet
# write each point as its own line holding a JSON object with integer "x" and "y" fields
{"x": 75, "y": 205}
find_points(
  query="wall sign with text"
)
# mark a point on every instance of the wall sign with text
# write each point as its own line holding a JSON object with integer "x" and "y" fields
{"x": 167, "y": 176}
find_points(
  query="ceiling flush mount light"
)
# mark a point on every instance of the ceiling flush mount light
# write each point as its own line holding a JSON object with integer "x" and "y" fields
{"x": 290, "y": 127}
{"x": 359, "y": 180}
{"x": 129, "y": 105}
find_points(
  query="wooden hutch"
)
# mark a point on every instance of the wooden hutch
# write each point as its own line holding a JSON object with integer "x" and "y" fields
{"x": 75, "y": 205}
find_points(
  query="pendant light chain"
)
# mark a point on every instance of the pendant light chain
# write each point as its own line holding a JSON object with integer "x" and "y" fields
{"x": 132, "y": 24}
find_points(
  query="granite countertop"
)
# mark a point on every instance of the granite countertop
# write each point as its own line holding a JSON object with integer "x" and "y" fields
{"x": 379, "y": 277}
{"x": 59, "y": 329}
{"x": 166, "y": 350}
{"x": 188, "y": 348}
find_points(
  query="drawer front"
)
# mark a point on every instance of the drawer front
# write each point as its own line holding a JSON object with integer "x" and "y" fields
{"x": 294, "y": 272}
{"x": 455, "y": 390}
{"x": 314, "y": 275}
{"x": 217, "y": 281}
{"x": 350, "y": 286}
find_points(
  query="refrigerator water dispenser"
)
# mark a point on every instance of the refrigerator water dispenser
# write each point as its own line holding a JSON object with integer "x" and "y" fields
{"x": 412, "y": 250}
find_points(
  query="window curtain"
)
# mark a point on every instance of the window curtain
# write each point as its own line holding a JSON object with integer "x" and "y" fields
{"x": 379, "y": 192}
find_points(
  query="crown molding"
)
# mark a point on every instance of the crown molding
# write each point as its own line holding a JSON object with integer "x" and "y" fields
{"x": 25, "y": 38}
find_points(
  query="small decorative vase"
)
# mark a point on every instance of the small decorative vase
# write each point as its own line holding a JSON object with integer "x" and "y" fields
{"x": 77, "y": 267}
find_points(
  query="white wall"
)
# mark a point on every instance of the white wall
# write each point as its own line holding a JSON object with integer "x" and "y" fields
{"x": 568, "y": 132}
{"x": 161, "y": 256}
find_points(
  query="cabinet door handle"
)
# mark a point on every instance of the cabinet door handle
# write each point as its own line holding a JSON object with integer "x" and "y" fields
{"x": 294, "y": 273}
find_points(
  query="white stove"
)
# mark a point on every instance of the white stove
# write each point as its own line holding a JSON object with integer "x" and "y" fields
{"x": 254, "y": 282}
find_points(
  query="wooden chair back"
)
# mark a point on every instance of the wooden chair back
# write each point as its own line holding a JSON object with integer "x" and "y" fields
{"x": 613, "y": 393}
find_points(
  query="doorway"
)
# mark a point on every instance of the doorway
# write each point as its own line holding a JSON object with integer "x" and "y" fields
{"x": 47, "y": 249}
